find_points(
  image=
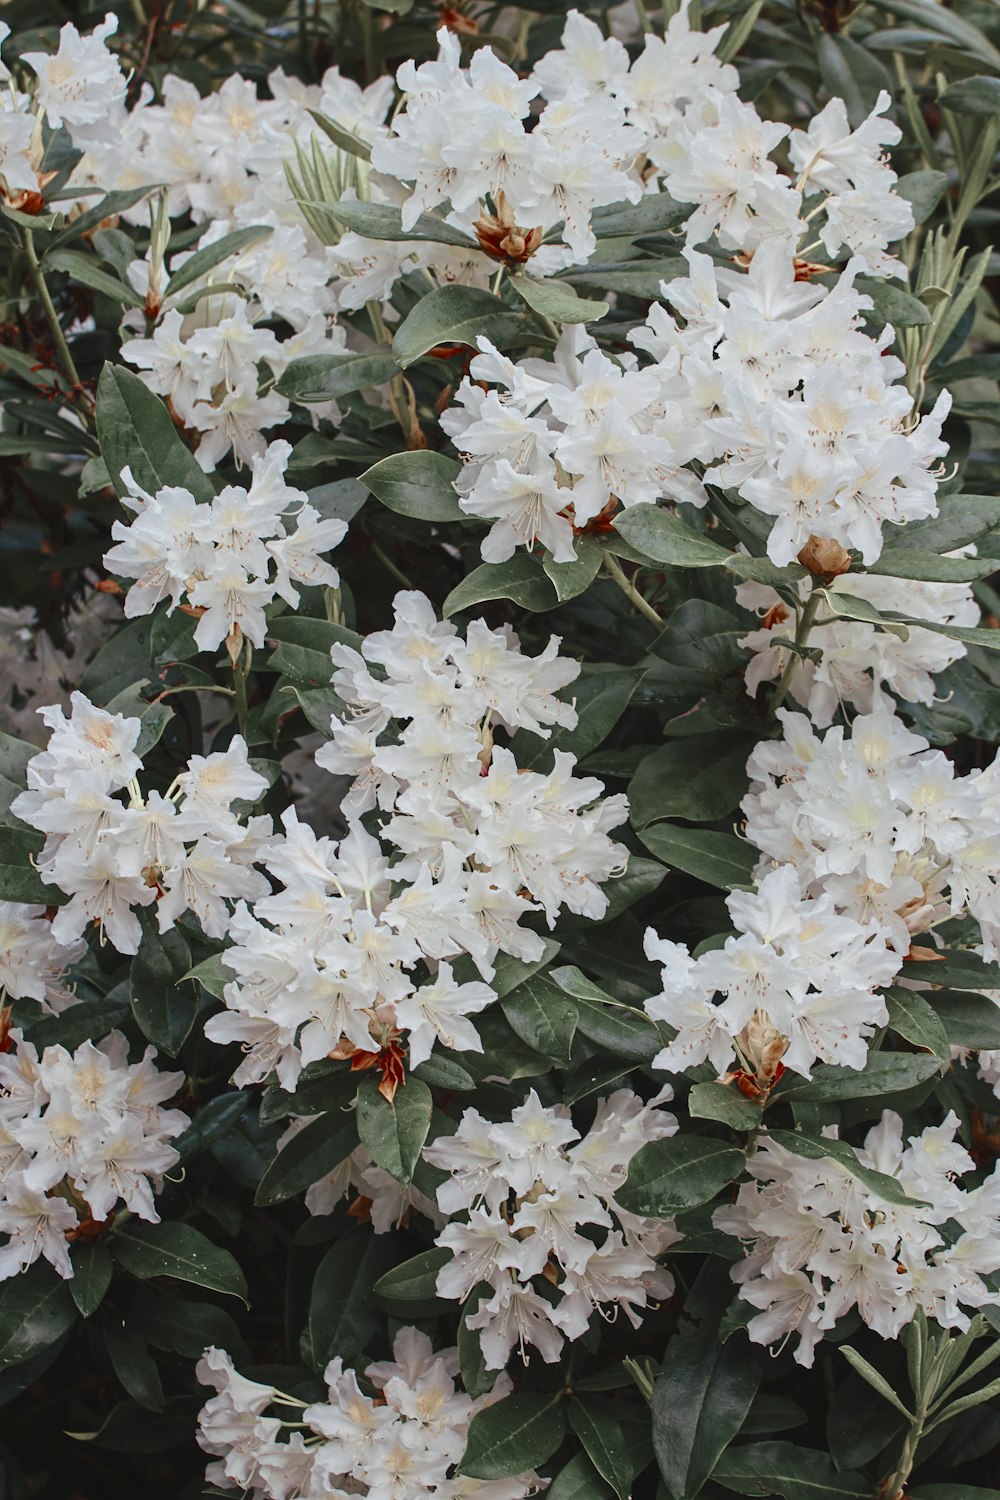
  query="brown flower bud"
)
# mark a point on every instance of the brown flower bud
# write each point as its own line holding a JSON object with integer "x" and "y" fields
{"x": 825, "y": 558}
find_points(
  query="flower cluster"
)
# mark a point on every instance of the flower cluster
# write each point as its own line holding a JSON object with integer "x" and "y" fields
{"x": 822, "y": 1242}
{"x": 33, "y": 962}
{"x": 229, "y": 558}
{"x": 879, "y": 824}
{"x": 402, "y": 1443}
{"x": 857, "y": 658}
{"x": 471, "y": 846}
{"x": 111, "y": 856}
{"x": 80, "y": 1133}
{"x": 527, "y": 1186}
{"x": 797, "y": 984}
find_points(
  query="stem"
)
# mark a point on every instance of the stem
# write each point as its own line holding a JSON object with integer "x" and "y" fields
{"x": 387, "y": 562}
{"x": 806, "y": 621}
{"x": 614, "y": 571}
{"x": 52, "y": 317}
{"x": 895, "y": 1486}
{"x": 240, "y": 668}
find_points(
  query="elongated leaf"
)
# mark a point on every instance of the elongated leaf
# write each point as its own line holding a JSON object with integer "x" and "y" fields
{"x": 180, "y": 1252}
{"x": 92, "y": 1272}
{"x": 342, "y": 1318}
{"x": 697, "y": 779}
{"x": 839, "y": 1151}
{"x": 873, "y": 1378}
{"x": 383, "y": 221}
{"x": 667, "y": 540}
{"x": 783, "y": 1469}
{"x": 969, "y": 1020}
{"x": 136, "y": 432}
{"x": 912, "y": 1017}
{"x": 719, "y": 858}
{"x": 419, "y": 484}
{"x": 520, "y": 579}
{"x": 206, "y": 259}
{"x": 85, "y": 270}
{"x": 411, "y": 1288}
{"x": 328, "y": 377}
{"x": 725, "y": 1103}
{"x": 541, "y": 1015}
{"x": 665, "y": 1177}
{"x": 518, "y": 1433}
{"x": 313, "y": 1152}
{"x": 19, "y": 880}
{"x": 884, "y": 1073}
{"x": 394, "y": 1133}
{"x": 604, "y": 1442}
{"x": 453, "y": 315}
{"x": 701, "y": 1398}
{"x": 652, "y": 214}
{"x": 36, "y": 1309}
{"x": 620, "y": 1029}
{"x": 558, "y": 301}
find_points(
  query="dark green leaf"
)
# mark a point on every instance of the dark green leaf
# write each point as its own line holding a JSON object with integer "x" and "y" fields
{"x": 845, "y": 1156}
{"x": 520, "y": 579}
{"x": 419, "y": 484}
{"x": 667, "y": 540}
{"x": 36, "y": 1309}
{"x": 667, "y": 1176}
{"x": 725, "y": 1103}
{"x": 602, "y": 1437}
{"x": 783, "y": 1469}
{"x": 394, "y": 1133}
{"x": 618, "y": 1028}
{"x": 136, "y": 431}
{"x": 342, "y": 1318}
{"x": 579, "y": 1480}
{"x": 718, "y": 858}
{"x": 514, "y": 1435}
{"x": 651, "y": 215}
{"x": 884, "y": 1073}
{"x": 698, "y": 779}
{"x": 557, "y": 300}
{"x": 163, "y": 1005}
{"x": 383, "y": 221}
{"x": 313, "y": 1152}
{"x": 411, "y": 1288}
{"x": 539, "y": 1012}
{"x": 212, "y": 975}
{"x": 969, "y": 1020}
{"x": 206, "y": 259}
{"x": 910, "y": 1016}
{"x": 180, "y": 1252}
{"x": 92, "y": 1271}
{"x": 452, "y": 315}
{"x": 133, "y": 1364}
{"x": 972, "y": 96}
{"x": 19, "y": 880}
{"x": 328, "y": 377}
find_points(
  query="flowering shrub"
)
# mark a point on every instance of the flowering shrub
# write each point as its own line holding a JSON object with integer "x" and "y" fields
{"x": 500, "y": 819}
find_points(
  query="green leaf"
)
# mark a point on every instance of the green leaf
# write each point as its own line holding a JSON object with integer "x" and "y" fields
{"x": 667, "y": 540}
{"x": 850, "y": 71}
{"x": 180, "y": 1252}
{"x": 180, "y": 1326}
{"x": 131, "y": 1429}
{"x": 344, "y": 139}
{"x": 923, "y": 191}
{"x": 85, "y": 270}
{"x": 163, "y": 1006}
{"x": 342, "y": 1319}
{"x": 303, "y": 651}
{"x": 314, "y": 1151}
{"x": 14, "y": 758}
{"x": 601, "y": 694}
{"x": 520, "y": 579}
{"x": 957, "y": 969}
{"x": 133, "y": 1363}
{"x": 557, "y": 300}
{"x": 212, "y": 975}
{"x": 725, "y": 1103}
{"x": 783, "y": 1469}
{"x": 110, "y": 205}
{"x": 410, "y": 1289}
{"x": 135, "y": 431}
{"x": 720, "y": 859}
{"x": 884, "y": 1073}
{"x": 19, "y": 880}
{"x": 514, "y": 1435}
{"x": 969, "y": 1020}
{"x": 214, "y": 1120}
{"x": 383, "y": 221}
{"x": 667, "y": 1176}
{"x": 877, "y": 1381}
{"x": 700, "y": 779}
{"x": 892, "y": 305}
{"x": 700, "y": 1401}
{"x": 911, "y": 1016}
{"x": 579, "y": 1480}
{"x": 92, "y": 1271}
{"x": 453, "y": 315}
{"x": 153, "y": 717}
{"x": 972, "y": 96}
{"x": 601, "y": 1435}
{"x": 905, "y": 562}
{"x": 612, "y": 1025}
{"x": 960, "y": 519}
{"x": 653, "y": 213}
{"x": 36, "y": 1309}
{"x": 394, "y": 1134}
{"x": 420, "y": 484}
{"x": 475, "y": 1376}
{"x": 845, "y": 1156}
{"x": 539, "y": 1012}
{"x": 570, "y": 579}
{"x": 327, "y": 377}
{"x": 210, "y": 256}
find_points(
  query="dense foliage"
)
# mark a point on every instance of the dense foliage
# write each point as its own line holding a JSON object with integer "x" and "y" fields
{"x": 500, "y": 833}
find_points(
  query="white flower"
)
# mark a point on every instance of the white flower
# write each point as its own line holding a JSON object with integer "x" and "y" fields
{"x": 81, "y": 86}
